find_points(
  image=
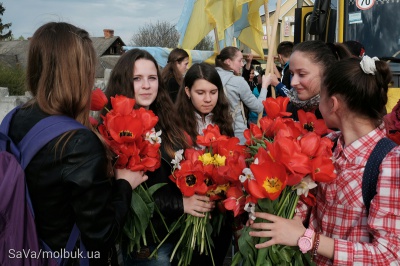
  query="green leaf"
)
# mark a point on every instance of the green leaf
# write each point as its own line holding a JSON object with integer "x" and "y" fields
{"x": 266, "y": 205}
{"x": 273, "y": 256}
{"x": 246, "y": 242}
{"x": 286, "y": 253}
{"x": 298, "y": 259}
{"x": 237, "y": 258}
{"x": 307, "y": 258}
{"x": 154, "y": 188}
{"x": 141, "y": 211}
{"x": 251, "y": 260}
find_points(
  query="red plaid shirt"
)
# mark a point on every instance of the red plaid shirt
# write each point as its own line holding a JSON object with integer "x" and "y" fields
{"x": 340, "y": 212}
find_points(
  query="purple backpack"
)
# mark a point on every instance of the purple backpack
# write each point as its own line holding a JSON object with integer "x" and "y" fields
{"x": 19, "y": 242}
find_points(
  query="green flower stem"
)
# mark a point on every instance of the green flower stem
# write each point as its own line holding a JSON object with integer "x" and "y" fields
{"x": 294, "y": 205}
{"x": 289, "y": 198}
{"x": 165, "y": 238}
{"x": 203, "y": 231}
{"x": 195, "y": 230}
{"x": 181, "y": 238}
{"x": 209, "y": 248}
{"x": 283, "y": 204}
{"x": 262, "y": 253}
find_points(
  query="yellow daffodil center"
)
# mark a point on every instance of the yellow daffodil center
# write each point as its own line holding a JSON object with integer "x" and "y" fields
{"x": 219, "y": 160}
{"x": 272, "y": 185}
{"x": 206, "y": 158}
{"x": 216, "y": 160}
{"x": 221, "y": 188}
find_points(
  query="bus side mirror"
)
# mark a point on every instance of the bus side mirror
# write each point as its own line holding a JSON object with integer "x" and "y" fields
{"x": 319, "y": 16}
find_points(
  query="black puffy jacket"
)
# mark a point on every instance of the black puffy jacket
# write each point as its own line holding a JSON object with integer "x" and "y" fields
{"x": 69, "y": 185}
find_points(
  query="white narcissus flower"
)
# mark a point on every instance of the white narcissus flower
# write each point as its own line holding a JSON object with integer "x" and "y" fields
{"x": 248, "y": 174}
{"x": 305, "y": 185}
{"x": 178, "y": 158}
{"x": 250, "y": 207}
{"x": 153, "y": 137}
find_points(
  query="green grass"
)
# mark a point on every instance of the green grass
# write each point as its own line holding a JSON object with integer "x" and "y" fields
{"x": 13, "y": 78}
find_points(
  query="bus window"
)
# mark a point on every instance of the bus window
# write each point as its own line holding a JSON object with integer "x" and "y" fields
{"x": 377, "y": 28}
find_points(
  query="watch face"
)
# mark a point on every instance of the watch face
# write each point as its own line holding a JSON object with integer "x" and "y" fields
{"x": 305, "y": 243}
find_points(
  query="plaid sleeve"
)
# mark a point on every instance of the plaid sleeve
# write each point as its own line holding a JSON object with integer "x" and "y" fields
{"x": 383, "y": 222}
{"x": 302, "y": 210}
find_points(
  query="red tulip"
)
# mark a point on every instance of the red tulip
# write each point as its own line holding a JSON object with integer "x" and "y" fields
{"x": 235, "y": 201}
{"x": 99, "y": 100}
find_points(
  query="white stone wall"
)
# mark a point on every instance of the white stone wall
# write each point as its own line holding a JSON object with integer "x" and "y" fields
{"x": 7, "y": 103}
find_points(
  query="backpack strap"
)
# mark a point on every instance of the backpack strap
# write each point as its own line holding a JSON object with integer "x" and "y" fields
{"x": 371, "y": 171}
{"x": 37, "y": 137}
{"x": 44, "y": 131}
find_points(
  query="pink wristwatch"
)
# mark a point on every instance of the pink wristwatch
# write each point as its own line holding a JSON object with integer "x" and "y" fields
{"x": 305, "y": 242}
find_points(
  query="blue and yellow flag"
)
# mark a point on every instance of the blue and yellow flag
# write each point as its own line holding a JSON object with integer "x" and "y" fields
{"x": 193, "y": 24}
{"x": 230, "y": 18}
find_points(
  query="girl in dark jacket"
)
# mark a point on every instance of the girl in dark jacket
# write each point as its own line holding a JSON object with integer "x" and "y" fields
{"x": 202, "y": 102}
{"x": 137, "y": 75}
{"x": 71, "y": 180}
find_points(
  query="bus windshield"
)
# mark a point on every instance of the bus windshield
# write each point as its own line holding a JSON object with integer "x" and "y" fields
{"x": 377, "y": 28}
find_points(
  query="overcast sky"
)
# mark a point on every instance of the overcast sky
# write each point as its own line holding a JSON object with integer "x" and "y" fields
{"x": 125, "y": 17}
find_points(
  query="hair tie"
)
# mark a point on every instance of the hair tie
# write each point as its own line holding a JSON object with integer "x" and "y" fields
{"x": 368, "y": 64}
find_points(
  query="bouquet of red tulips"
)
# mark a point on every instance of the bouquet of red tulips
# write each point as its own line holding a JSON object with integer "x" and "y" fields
{"x": 211, "y": 171}
{"x": 131, "y": 136}
{"x": 288, "y": 159}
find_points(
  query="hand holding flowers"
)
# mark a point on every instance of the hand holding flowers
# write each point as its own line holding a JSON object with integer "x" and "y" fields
{"x": 130, "y": 134}
{"x": 134, "y": 178}
{"x": 204, "y": 176}
{"x": 287, "y": 159}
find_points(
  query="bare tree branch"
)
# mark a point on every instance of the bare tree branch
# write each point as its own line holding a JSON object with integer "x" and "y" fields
{"x": 160, "y": 34}
{"x": 206, "y": 44}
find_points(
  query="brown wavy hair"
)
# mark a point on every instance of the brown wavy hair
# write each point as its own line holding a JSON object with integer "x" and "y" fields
{"x": 177, "y": 55}
{"x": 229, "y": 52}
{"x": 120, "y": 83}
{"x": 61, "y": 70}
{"x": 186, "y": 110}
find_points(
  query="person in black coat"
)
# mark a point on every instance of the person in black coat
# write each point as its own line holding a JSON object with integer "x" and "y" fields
{"x": 136, "y": 75}
{"x": 71, "y": 180}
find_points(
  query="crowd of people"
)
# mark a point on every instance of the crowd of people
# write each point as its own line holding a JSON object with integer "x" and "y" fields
{"x": 72, "y": 181}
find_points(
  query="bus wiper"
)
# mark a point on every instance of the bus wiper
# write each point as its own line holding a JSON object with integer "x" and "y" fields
{"x": 390, "y": 58}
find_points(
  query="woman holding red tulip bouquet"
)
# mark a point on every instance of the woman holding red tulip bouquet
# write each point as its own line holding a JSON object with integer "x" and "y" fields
{"x": 201, "y": 102}
{"x": 136, "y": 75}
{"x": 71, "y": 180}
{"x": 345, "y": 227}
